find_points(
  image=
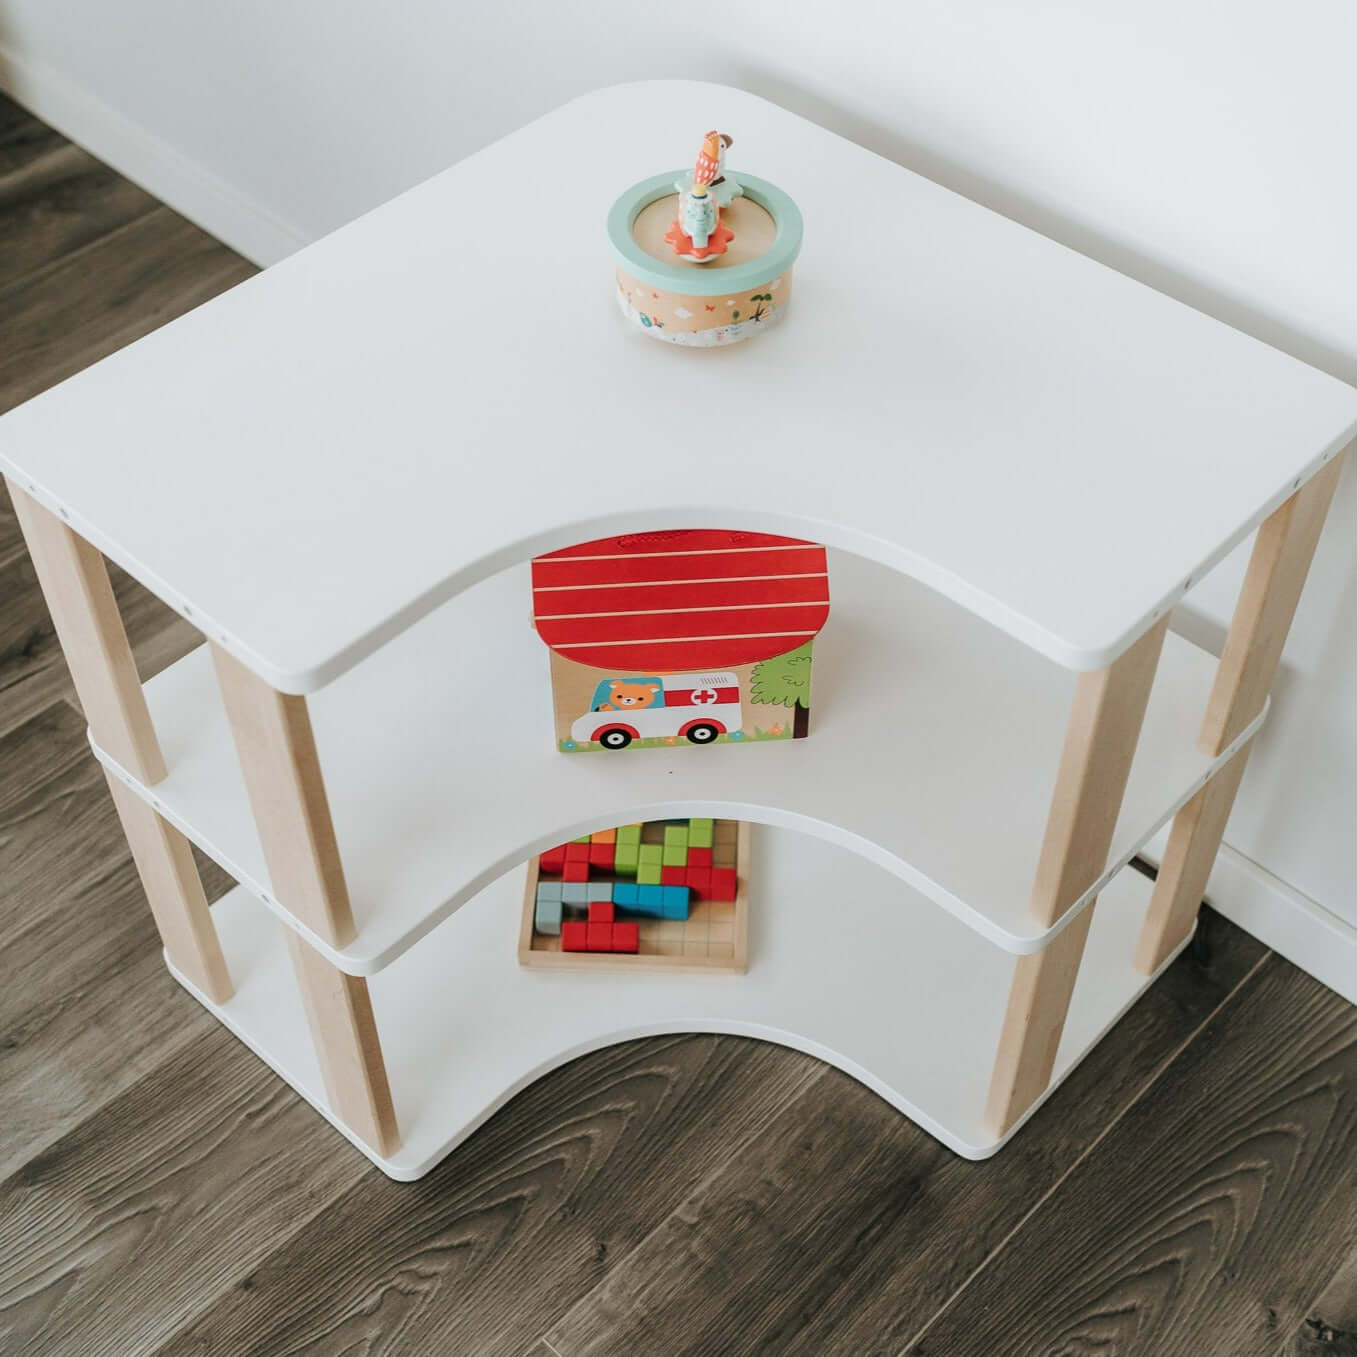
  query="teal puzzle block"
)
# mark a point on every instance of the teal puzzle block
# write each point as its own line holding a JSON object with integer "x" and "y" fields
{"x": 547, "y": 918}
{"x": 548, "y": 890}
{"x": 675, "y": 901}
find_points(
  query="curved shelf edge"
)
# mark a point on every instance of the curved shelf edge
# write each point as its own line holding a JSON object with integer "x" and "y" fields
{"x": 902, "y": 999}
{"x": 361, "y": 958}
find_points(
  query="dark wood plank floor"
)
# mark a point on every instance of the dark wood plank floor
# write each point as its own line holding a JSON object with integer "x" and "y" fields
{"x": 1191, "y": 1190}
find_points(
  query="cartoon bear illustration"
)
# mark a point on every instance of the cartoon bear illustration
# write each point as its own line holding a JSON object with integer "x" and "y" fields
{"x": 623, "y": 696}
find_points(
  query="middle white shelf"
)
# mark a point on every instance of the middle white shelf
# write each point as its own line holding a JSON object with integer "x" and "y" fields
{"x": 933, "y": 750}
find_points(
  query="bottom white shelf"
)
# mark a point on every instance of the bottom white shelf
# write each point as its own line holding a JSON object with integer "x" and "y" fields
{"x": 847, "y": 963}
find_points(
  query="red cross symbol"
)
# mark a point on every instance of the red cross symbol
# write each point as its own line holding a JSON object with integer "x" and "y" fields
{"x": 704, "y": 695}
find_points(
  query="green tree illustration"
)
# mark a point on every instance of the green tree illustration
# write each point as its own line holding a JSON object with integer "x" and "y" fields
{"x": 785, "y": 681}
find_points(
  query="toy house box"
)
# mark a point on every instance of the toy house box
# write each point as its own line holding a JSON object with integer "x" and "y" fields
{"x": 682, "y": 637}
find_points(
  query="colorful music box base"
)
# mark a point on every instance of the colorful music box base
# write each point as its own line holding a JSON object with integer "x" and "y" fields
{"x": 665, "y": 895}
{"x": 682, "y": 637}
{"x": 729, "y": 296}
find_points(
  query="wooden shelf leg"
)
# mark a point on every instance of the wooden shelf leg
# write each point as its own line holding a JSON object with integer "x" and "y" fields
{"x": 174, "y": 891}
{"x": 1100, "y": 744}
{"x": 85, "y": 613}
{"x": 1277, "y": 570}
{"x": 277, "y": 751}
{"x": 339, "y": 1013}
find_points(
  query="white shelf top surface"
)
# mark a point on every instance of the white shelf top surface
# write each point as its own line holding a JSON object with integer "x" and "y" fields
{"x": 309, "y": 463}
{"x": 846, "y": 964}
{"x": 933, "y": 751}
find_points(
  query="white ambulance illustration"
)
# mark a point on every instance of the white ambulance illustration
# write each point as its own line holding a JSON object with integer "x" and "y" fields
{"x": 695, "y": 707}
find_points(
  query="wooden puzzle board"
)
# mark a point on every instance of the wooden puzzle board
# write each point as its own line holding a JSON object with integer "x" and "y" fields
{"x": 714, "y": 937}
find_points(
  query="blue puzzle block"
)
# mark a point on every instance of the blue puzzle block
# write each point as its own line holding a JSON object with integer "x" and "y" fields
{"x": 548, "y": 890}
{"x": 575, "y": 892}
{"x": 548, "y": 917}
{"x": 650, "y": 900}
{"x": 600, "y": 890}
{"x": 675, "y": 903}
{"x": 624, "y": 894}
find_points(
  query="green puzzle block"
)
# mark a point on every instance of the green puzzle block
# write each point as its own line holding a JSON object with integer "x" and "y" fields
{"x": 675, "y": 855}
{"x": 676, "y": 835}
{"x": 650, "y": 852}
{"x": 648, "y": 874}
{"x": 628, "y": 834}
{"x": 699, "y": 833}
{"x": 624, "y": 863}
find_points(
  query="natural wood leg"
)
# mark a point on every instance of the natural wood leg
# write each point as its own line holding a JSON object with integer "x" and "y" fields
{"x": 339, "y": 1013}
{"x": 1272, "y": 587}
{"x": 80, "y": 599}
{"x": 287, "y": 793}
{"x": 175, "y": 892}
{"x": 1100, "y": 744}
{"x": 277, "y": 751}
{"x": 75, "y": 584}
{"x": 1189, "y": 856}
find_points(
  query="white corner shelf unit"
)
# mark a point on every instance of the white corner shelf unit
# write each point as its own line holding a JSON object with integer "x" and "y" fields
{"x": 935, "y": 740}
{"x": 337, "y": 471}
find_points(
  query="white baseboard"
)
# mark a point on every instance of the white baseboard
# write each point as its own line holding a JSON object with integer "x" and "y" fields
{"x": 212, "y": 203}
{"x": 1281, "y": 917}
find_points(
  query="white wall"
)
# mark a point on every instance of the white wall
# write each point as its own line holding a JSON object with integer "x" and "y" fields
{"x": 1206, "y": 148}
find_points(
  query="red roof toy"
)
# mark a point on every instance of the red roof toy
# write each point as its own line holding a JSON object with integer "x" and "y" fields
{"x": 697, "y": 636}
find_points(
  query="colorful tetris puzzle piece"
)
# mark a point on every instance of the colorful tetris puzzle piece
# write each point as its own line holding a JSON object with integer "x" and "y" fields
{"x": 700, "y": 833}
{"x": 552, "y": 860}
{"x": 600, "y": 911}
{"x": 626, "y": 937}
{"x": 723, "y": 883}
{"x": 547, "y": 915}
{"x": 674, "y": 902}
{"x": 574, "y": 936}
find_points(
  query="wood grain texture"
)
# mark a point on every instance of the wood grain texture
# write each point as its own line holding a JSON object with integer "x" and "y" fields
{"x": 85, "y": 1003}
{"x": 108, "y": 293}
{"x": 537, "y": 1206}
{"x": 57, "y": 202}
{"x": 1329, "y": 1328}
{"x": 164, "y": 1199}
{"x": 910, "y": 1221}
{"x": 1208, "y": 1218}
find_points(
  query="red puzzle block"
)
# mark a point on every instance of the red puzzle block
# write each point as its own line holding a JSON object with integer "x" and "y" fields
{"x": 575, "y": 871}
{"x": 626, "y": 937}
{"x": 601, "y": 855}
{"x": 699, "y": 857}
{"x": 600, "y": 937}
{"x": 723, "y": 883}
{"x": 577, "y": 852}
{"x": 600, "y": 911}
{"x": 574, "y": 936}
{"x": 699, "y": 882}
{"x": 552, "y": 860}
{"x": 673, "y": 876}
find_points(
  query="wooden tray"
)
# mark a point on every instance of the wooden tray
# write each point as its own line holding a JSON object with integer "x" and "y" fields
{"x": 715, "y": 936}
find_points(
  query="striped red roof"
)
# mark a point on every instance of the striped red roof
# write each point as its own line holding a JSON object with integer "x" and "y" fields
{"x": 694, "y": 599}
